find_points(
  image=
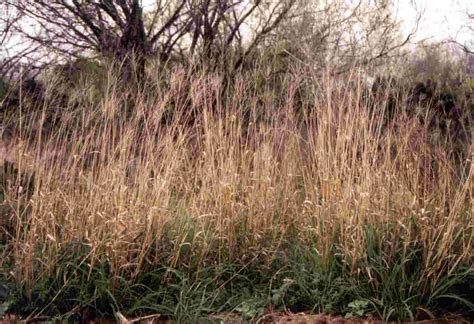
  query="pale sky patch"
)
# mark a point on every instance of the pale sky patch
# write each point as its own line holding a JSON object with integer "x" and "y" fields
{"x": 441, "y": 20}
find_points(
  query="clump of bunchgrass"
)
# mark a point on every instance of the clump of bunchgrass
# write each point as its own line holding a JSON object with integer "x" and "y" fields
{"x": 203, "y": 173}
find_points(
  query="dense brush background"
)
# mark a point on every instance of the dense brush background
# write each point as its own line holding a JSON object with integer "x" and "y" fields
{"x": 186, "y": 191}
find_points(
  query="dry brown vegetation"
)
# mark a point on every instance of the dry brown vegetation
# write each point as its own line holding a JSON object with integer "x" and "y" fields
{"x": 199, "y": 176}
{"x": 190, "y": 160}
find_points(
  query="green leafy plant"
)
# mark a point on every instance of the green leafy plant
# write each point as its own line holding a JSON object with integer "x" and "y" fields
{"x": 357, "y": 308}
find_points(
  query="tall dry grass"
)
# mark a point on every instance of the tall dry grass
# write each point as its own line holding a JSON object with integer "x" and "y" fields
{"x": 186, "y": 173}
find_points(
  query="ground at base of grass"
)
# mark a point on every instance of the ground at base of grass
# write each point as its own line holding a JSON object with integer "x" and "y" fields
{"x": 233, "y": 318}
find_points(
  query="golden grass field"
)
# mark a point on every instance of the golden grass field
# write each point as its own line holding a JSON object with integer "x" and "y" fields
{"x": 197, "y": 177}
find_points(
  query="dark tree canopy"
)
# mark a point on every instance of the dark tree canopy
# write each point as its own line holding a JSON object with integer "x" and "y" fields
{"x": 200, "y": 29}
